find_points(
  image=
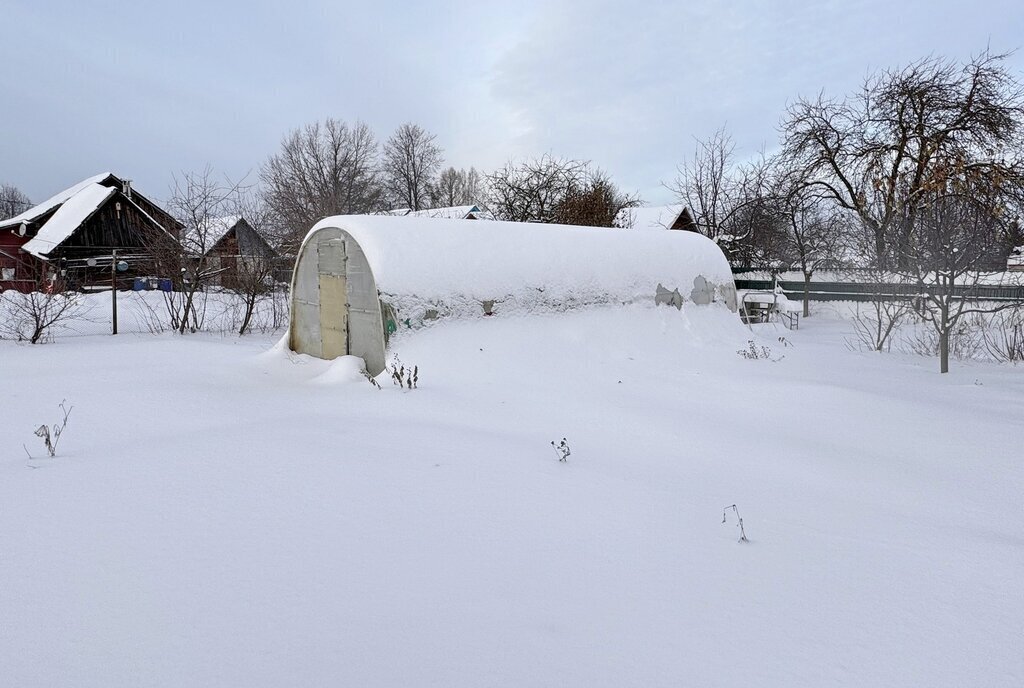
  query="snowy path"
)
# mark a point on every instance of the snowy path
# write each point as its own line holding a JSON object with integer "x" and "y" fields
{"x": 221, "y": 516}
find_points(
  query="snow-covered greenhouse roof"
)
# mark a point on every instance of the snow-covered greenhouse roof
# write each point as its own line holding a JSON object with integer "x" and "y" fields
{"x": 447, "y": 261}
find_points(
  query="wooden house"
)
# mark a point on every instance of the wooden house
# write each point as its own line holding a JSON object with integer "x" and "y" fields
{"x": 76, "y": 232}
{"x": 231, "y": 246}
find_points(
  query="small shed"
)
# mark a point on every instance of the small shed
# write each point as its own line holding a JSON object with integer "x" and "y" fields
{"x": 359, "y": 278}
{"x": 233, "y": 246}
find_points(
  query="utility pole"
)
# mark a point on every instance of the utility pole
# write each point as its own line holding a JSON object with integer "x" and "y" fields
{"x": 113, "y": 288}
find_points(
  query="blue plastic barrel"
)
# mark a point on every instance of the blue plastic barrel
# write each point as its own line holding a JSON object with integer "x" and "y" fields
{"x": 139, "y": 284}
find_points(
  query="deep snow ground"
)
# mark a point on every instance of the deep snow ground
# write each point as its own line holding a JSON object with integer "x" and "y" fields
{"x": 224, "y": 516}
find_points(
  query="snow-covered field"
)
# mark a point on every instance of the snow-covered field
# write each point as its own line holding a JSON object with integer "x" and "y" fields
{"x": 224, "y": 514}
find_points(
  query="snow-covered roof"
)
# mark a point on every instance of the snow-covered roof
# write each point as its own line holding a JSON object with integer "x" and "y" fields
{"x": 456, "y": 212}
{"x": 1016, "y": 257}
{"x": 50, "y": 203}
{"x": 422, "y": 264}
{"x": 209, "y": 235}
{"x": 73, "y": 211}
{"x": 650, "y": 217}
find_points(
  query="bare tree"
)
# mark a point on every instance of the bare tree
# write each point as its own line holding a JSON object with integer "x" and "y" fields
{"x": 12, "y": 201}
{"x": 254, "y": 284}
{"x": 448, "y": 190}
{"x": 879, "y": 152}
{"x": 889, "y": 294}
{"x": 411, "y": 161}
{"x": 814, "y": 230}
{"x": 594, "y": 201}
{"x": 531, "y": 191}
{"x": 256, "y": 267}
{"x": 322, "y": 169}
{"x": 456, "y": 187}
{"x": 954, "y": 231}
{"x": 732, "y": 203}
{"x": 474, "y": 191}
{"x": 201, "y": 202}
{"x": 704, "y": 185}
{"x": 876, "y": 325}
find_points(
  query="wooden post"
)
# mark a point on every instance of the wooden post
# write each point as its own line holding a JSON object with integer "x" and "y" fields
{"x": 113, "y": 289}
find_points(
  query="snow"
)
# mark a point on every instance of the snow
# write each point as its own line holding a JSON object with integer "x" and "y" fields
{"x": 224, "y": 514}
{"x": 777, "y": 299}
{"x": 650, "y": 217}
{"x": 53, "y": 201}
{"x": 452, "y": 265}
{"x": 141, "y": 312}
{"x": 1016, "y": 258}
{"x": 787, "y": 305}
{"x": 75, "y": 210}
{"x": 456, "y": 212}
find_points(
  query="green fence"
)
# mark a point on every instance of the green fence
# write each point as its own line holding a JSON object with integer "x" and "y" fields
{"x": 868, "y": 291}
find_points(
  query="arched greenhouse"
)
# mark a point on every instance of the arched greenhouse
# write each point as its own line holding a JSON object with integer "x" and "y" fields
{"x": 359, "y": 278}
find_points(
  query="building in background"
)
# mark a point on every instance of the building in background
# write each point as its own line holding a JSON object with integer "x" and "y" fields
{"x": 75, "y": 233}
{"x": 657, "y": 217}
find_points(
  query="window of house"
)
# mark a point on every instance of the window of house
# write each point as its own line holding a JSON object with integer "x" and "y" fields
{"x": 6, "y": 273}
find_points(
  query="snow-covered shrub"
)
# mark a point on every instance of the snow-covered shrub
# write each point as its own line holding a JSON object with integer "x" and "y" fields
{"x": 1003, "y": 336}
{"x": 562, "y": 450}
{"x": 965, "y": 339}
{"x": 32, "y": 317}
{"x": 51, "y": 435}
{"x": 754, "y": 352}
{"x": 739, "y": 521}
{"x": 404, "y": 377}
{"x": 370, "y": 378}
{"x": 875, "y": 323}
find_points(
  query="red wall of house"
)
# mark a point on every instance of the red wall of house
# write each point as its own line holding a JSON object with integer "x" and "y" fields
{"x": 11, "y": 257}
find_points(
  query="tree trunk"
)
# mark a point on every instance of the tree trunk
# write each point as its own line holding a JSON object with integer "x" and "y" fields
{"x": 807, "y": 294}
{"x": 250, "y": 306}
{"x": 189, "y": 308}
{"x": 880, "y": 248}
{"x": 944, "y": 327}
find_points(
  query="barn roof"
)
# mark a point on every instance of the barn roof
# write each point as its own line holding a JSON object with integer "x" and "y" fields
{"x": 72, "y": 212}
{"x": 49, "y": 204}
{"x": 59, "y": 216}
{"x": 198, "y": 241}
{"x": 418, "y": 261}
{"x": 216, "y": 230}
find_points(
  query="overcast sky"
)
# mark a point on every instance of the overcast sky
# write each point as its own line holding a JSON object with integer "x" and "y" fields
{"x": 149, "y": 89}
